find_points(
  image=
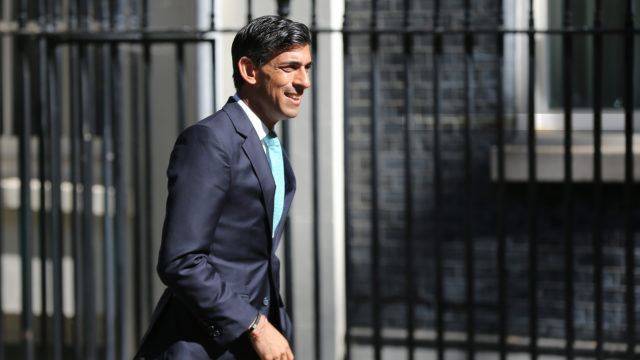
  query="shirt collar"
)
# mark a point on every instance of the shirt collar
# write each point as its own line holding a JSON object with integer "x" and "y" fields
{"x": 261, "y": 129}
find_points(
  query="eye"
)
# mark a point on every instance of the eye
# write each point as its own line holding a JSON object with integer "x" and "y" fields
{"x": 289, "y": 68}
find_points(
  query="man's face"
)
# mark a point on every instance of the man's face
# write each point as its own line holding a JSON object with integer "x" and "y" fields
{"x": 280, "y": 84}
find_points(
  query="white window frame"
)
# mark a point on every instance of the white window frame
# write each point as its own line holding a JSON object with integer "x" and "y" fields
{"x": 546, "y": 118}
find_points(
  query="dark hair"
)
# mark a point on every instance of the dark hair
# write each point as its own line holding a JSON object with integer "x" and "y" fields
{"x": 264, "y": 38}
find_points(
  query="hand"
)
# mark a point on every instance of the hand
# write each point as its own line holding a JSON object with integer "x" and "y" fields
{"x": 268, "y": 343}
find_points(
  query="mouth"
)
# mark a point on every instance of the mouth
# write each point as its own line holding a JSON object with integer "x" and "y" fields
{"x": 294, "y": 97}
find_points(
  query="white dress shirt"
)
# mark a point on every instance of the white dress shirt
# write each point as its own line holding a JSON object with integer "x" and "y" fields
{"x": 261, "y": 129}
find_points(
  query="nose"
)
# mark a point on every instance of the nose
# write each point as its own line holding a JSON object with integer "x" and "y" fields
{"x": 302, "y": 78}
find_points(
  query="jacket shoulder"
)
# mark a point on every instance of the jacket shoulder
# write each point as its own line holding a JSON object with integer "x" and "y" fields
{"x": 216, "y": 128}
{"x": 218, "y": 122}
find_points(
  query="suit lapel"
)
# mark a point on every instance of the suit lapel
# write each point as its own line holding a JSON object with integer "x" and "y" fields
{"x": 253, "y": 148}
{"x": 254, "y": 151}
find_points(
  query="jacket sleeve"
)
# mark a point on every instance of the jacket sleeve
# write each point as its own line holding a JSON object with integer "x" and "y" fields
{"x": 198, "y": 182}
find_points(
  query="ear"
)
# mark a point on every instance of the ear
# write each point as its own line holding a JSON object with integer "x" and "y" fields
{"x": 247, "y": 70}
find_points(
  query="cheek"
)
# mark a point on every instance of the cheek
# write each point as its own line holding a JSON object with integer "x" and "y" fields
{"x": 281, "y": 82}
{"x": 276, "y": 86}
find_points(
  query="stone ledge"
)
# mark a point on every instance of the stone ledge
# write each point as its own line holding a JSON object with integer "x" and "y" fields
{"x": 550, "y": 158}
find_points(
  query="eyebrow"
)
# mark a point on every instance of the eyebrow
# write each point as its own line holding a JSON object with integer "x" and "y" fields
{"x": 295, "y": 63}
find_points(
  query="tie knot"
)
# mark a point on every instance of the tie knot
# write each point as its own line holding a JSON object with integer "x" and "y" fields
{"x": 272, "y": 140}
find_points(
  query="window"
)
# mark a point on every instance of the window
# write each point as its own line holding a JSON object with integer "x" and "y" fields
{"x": 613, "y": 52}
{"x": 549, "y": 91}
{"x": 549, "y": 14}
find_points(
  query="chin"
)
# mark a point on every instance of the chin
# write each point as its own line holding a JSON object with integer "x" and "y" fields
{"x": 290, "y": 113}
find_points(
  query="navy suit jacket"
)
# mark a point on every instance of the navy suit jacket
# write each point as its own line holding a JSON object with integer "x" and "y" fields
{"x": 217, "y": 256}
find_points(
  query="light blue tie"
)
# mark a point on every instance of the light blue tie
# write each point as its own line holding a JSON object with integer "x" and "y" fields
{"x": 274, "y": 152}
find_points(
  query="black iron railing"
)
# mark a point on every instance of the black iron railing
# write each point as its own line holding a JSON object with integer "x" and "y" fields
{"x": 473, "y": 129}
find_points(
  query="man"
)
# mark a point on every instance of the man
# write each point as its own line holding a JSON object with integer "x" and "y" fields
{"x": 230, "y": 188}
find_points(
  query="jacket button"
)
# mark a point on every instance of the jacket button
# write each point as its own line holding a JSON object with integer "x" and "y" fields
{"x": 265, "y": 301}
{"x": 214, "y": 331}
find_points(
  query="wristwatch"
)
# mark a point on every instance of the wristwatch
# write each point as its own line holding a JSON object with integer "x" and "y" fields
{"x": 255, "y": 323}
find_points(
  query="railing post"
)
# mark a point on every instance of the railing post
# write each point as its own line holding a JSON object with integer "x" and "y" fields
{"x": 283, "y": 8}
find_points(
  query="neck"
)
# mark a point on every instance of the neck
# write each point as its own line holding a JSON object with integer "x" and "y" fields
{"x": 249, "y": 99}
